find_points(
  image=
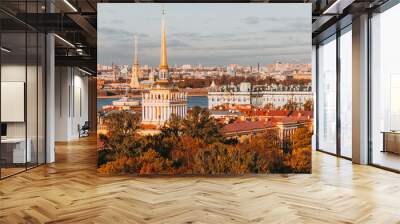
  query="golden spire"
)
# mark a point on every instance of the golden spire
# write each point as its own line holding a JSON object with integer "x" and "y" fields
{"x": 163, "y": 60}
{"x": 135, "y": 67}
{"x": 135, "y": 55}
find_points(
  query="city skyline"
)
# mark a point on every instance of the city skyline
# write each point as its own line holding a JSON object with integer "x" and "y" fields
{"x": 199, "y": 40}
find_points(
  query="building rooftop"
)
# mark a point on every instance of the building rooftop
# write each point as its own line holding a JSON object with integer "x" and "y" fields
{"x": 225, "y": 113}
{"x": 245, "y": 126}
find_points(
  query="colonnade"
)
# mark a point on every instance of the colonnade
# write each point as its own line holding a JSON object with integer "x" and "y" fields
{"x": 158, "y": 105}
{"x": 156, "y": 113}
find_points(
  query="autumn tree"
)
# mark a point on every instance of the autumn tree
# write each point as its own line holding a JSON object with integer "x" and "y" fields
{"x": 267, "y": 156}
{"x": 291, "y": 105}
{"x": 300, "y": 160}
{"x": 308, "y": 105}
{"x": 160, "y": 143}
{"x": 183, "y": 154}
{"x": 120, "y": 165}
{"x": 173, "y": 127}
{"x": 301, "y": 138}
{"x": 199, "y": 124}
{"x": 194, "y": 145}
{"x": 219, "y": 158}
{"x": 122, "y": 128}
{"x": 269, "y": 106}
{"x": 151, "y": 162}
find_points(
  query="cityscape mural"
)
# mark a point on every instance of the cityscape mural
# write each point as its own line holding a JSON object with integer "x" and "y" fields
{"x": 204, "y": 89}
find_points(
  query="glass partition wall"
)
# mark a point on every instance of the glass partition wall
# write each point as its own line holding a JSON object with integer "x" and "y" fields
{"x": 345, "y": 61}
{"x": 334, "y": 96}
{"x": 22, "y": 107}
{"x": 326, "y": 103}
{"x": 385, "y": 89}
{"x": 334, "y": 84}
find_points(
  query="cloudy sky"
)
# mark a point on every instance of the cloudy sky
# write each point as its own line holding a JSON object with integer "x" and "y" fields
{"x": 207, "y": 34}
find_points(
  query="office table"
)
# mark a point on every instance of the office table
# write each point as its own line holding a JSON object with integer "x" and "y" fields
{"x": 391, "y": 141}
{"x": 13, "y": 150}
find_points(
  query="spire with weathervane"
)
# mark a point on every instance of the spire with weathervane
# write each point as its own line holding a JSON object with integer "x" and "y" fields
{"x": 163, "y": 99}
{"x": 163, "y": 59}
{"x": 135, "y": 67}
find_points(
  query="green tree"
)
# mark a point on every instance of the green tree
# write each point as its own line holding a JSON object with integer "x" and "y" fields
{"x": 122, "y": 128}
{"x": 199, "y": 124}
{"x": 173, "y": 127}
{"x": 267, "y": 156}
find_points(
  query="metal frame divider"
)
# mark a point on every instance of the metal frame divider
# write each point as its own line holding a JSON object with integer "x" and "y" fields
{"x": 338, "y": 76}
{"x": 338, "y": 153}
{"x": 316, "y": 107}
{"x": 45, "y": 73}
{"x": 369, "y": 106}
{"x": 26, "y": 87}
{"x": 0, "y": 91}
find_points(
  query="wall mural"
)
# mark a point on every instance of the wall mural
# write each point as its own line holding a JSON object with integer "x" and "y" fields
{"x": 204, "y": 89}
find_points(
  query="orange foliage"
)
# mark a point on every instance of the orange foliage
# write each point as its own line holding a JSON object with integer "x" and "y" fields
{"x": 300, "y": 160}
{"x": 149, "y": 162}
{"x": 120, "y": 165}
{"x": 195, "y": 146}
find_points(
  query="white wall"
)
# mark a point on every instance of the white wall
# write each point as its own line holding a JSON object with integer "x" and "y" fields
{"x": 14, "y": 73}
{"x": 71, "y": 102}
{"x": 17, "y": 73}
{"x": 33, "y": 126}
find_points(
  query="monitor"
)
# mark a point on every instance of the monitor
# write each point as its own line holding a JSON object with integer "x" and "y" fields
{"x": 3, "y": 129}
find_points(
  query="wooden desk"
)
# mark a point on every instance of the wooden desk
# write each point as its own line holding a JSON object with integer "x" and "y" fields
{"x": 13, "y": 150}
{"x": 391, "y": 141}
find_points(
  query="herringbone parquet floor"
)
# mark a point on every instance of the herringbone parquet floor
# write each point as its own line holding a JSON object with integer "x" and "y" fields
{"x": 70, "y": 191}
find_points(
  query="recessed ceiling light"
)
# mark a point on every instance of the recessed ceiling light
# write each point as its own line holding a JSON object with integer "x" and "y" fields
{"x": 64, "y": 40}
{"x": 70, "y": 5}
{"x": 86, "y": 72}
{"x": 5, "y": 50}
{"x": 337, "y": 7}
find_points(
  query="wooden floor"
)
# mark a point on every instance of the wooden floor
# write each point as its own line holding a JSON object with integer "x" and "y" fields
{"x": 5, "y": 172}
{"x": 387, "y": 159}
{"x": 70, "y": 191}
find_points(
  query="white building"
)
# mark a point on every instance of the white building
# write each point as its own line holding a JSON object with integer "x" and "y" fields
{"x": 161, "y": 102}
{"x": 259, "y": 95}
{"x": 232, "y": 69}
{"x": 187, "y": 66}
